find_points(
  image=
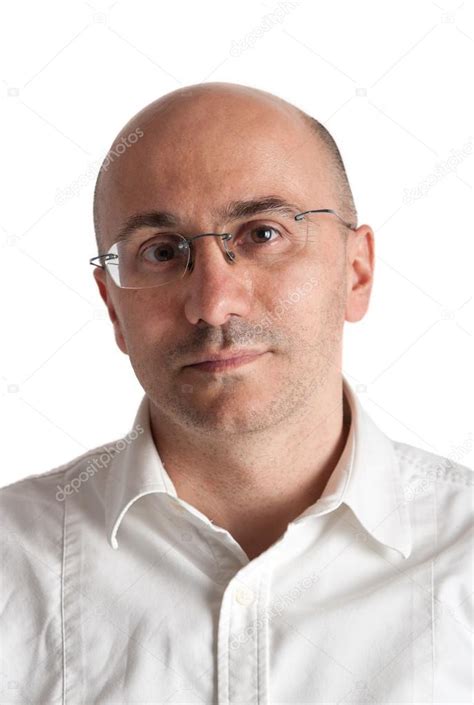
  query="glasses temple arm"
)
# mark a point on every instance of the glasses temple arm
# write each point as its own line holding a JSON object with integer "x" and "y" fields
{"x": 352, "y": 226}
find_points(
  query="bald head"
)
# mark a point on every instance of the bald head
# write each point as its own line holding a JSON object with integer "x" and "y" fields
{"x": 207, "y": 117}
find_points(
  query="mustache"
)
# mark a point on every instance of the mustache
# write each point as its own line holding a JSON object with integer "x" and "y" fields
{"x": 239, "y": 335}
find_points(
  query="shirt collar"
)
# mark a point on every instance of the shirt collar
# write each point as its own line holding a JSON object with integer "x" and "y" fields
{"x": 366, "y": 478}
{"x": 135, "y": 471}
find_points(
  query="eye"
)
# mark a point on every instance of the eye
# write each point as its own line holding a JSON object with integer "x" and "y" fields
{"x": 261, "y": 234}
{"x": 160, "y": 252}
{"x": 163, "y": 249}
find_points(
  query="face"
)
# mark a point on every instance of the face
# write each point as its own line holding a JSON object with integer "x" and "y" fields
{"x": 295, "y": 311}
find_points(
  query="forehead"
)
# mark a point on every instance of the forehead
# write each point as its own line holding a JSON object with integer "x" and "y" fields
{"x": 195, "y": 167}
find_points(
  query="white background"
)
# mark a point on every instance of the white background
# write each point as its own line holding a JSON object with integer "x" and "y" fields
{"x": 391, "y": 82}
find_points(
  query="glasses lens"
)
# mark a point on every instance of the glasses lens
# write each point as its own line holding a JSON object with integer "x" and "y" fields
{"x": 151, "y": 262}
{"x": 272, "y": 238}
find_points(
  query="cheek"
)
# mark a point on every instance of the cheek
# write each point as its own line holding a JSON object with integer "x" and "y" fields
{"x": 144, "y": 317}
{"x": 309, "y": 298}
{"x": 284, "y": 307}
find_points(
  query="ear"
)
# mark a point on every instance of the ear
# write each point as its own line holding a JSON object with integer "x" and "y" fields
{"x": 360, "y": 272}
{"x": 101, "y": 280}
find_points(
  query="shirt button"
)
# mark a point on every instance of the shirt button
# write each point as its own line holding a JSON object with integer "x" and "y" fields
{"x": 244, "y": 596}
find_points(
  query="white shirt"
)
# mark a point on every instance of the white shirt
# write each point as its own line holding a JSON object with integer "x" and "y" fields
{"x": 114, "y": 590}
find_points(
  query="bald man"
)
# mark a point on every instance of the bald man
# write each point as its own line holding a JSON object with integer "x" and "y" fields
{"x": 255, "y": 538}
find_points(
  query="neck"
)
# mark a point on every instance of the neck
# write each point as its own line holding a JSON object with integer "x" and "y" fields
{"x": 254, "y": 484}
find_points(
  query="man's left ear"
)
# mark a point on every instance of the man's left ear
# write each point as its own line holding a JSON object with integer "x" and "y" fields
{"x": 360, "y": 272}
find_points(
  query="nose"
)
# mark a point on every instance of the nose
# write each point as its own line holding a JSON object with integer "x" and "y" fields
{"x": 216, "y": 288}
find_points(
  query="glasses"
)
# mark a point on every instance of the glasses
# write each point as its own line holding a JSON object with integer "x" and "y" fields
{"x": 139, "y": 262}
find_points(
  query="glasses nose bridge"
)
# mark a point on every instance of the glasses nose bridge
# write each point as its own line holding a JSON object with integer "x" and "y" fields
{"x": 224, "y": 239}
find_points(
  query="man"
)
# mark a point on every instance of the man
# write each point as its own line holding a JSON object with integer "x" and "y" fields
{"x": 256, "y": 538}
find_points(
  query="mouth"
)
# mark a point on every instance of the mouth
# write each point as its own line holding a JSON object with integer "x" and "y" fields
{"x": 224, "y": 364}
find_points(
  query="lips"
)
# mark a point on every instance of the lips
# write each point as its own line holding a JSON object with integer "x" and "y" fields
{"x": 226, "y": 364}
{"x": 225, "y": 356}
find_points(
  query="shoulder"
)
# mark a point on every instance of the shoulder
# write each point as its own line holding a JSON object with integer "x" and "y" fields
{"x": 441, "y": 468}
{"x": 437, "y": 481}
{"x": 35, "y": 518}
{"x": 33, "y": 507}
{"x": 438, "y": 493}
{"x": 420, "y": 469}
{"x": 34, "y": 551}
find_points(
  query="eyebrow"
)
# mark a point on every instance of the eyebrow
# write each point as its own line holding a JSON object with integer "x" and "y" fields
{"x": 231, "y": 211}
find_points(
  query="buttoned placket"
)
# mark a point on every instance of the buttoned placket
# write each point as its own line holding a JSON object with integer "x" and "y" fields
{"x": 243, "y": 638}
{"x": 242, "y": 642}
{"x": 244, "y": 630}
